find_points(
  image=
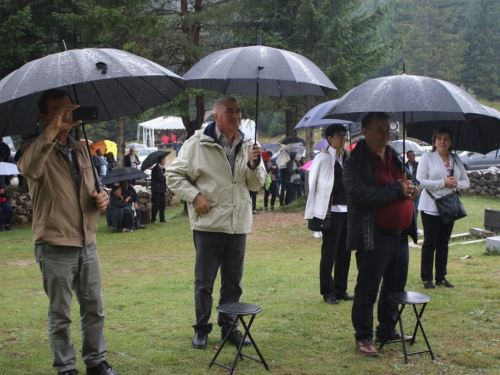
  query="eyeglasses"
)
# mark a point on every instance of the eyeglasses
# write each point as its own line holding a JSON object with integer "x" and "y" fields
{"x": 341, "y": 135}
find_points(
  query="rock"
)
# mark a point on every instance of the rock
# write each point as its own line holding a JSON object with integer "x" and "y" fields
{"x": 493, "y": 245}
{"x": 476, "y": 174}
{"x": 488, "y": 175}
{"x": 481, "y": 233}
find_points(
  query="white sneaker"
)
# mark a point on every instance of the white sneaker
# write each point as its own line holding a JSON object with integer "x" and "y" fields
{"x": 318, "y": 235}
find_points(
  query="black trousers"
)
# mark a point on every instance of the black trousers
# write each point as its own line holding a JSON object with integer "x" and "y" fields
{"x": 436, "y": 238}
{"x": 273, "y": 189}
{"x": 334, "y": 254}
{"x": 388, "y": 264}
{"x": 216, "y": 250}
{"x": 158, "y": 205}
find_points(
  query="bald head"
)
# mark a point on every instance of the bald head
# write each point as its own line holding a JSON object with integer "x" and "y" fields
{"x": 227, "y": 116}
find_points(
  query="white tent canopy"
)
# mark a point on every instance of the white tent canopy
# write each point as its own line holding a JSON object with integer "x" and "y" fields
{"x": 159, "y": 123}
{"x": 247, "y": 127}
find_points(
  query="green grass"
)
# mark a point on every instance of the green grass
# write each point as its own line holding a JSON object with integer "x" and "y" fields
{"x": 148, "y": 292}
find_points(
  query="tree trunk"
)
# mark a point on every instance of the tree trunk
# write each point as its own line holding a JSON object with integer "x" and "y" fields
{"x": 309, "y": 131}
{"x": 290, "y": 122}
{"x": 120, "y": 141}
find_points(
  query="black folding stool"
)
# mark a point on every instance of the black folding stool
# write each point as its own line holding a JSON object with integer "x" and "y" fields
{"x": 410, "y": 298}
{"x": 240, "y": 309}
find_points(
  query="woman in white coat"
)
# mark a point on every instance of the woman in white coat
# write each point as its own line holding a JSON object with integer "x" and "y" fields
{"x": 326, "y": 193}
{"x": 441, "y": 173}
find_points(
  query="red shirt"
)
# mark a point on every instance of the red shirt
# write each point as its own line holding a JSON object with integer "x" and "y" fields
{"x": 173, "y": 138}
{"x": 396, "y": 216}
{"x": 164, "y": 139}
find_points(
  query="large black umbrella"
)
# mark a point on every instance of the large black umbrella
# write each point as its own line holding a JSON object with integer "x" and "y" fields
{"x": 259, "y": 70}
{"x": 118, "y": 83}
{"x": 481, "y": 134}
{"x": 123, "y": 174}
{"x": 408, "y": 98}
{"x": 314, "y": 117}
{"x": 292, "y": 139}
{"x": 152, "y": 159}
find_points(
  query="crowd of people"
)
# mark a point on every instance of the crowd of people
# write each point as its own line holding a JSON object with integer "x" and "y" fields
{"x": 362, "y": 192}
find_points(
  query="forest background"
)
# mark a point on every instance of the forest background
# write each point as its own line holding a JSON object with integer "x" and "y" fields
{"x": 350, "y": 40}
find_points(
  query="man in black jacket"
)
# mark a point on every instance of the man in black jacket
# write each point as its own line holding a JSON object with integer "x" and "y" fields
{"x": 380, "y": 218}
{"x": 412, "y": 166}
{"x": 158, "y": 188}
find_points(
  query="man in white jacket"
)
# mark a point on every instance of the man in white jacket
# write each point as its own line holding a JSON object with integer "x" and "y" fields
{"x": 213, "y": 173}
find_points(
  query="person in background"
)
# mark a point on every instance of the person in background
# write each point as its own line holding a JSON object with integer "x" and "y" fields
{"x": 177, "y": 147}
{"x": 440, "y": 172}
{"x": 165, "y": 140}
{"x": 100, "y": 163}
{"x": 120, "y": 212}
{"x": 158, "y": 189}
{"x": 273, "y": 170}
{"x": 380, "y": 217}
{"x": 213, "y": 174}
{"x": 66, "y": 209}
{"x": 131, "y": 159}
{"x": 294, "y": 182}
{"x": 4, "y": 151}
{"x": 412, "y": 167}
{"x": 129, "y": 191}
{"x": 327, "y": 193}
{"x": 5, "y": 207}
{"x": 110, "y": 159}
{"x": 284, "y": 157}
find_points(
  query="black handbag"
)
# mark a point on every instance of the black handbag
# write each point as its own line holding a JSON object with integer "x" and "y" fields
{"x": 450, "y": 207}
{"x": 317, "y": 225}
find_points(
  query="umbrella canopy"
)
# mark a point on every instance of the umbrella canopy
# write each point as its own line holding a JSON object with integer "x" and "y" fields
{"x": 408, "y": 146}
{"x": 123, "y": 174}
{"x": 321, "y": 144}
{"x": 152, "y": 159}
{"x": 106, "y": 146}
{"x": 7, "y": 169}
{"x": 292, "y": 139}
{"x": 279, "y": 72}
{"x": 118, "y": 83}
{"x": 307, "y": 165}
{"x": 314, "y": 117}
{"x": 135, "y": 146}
{"x": 407, "y": 98}
{"x": 259, "y": 70}
{"x": 274, "y": 147}
{"x": 299, "y": 148}
{"x": 480, "y": 134}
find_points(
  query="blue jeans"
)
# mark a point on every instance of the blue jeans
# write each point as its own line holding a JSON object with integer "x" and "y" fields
{"x": 387, "y": 263}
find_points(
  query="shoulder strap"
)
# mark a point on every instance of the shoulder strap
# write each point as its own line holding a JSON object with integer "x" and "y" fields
{"x": 428, "y": 192}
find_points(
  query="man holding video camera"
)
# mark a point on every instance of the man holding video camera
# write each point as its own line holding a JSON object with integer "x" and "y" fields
{"x": 65, "y": 212}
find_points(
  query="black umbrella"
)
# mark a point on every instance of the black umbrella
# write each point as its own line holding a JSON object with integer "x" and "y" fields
{"x": 274, "y": 147}
{"x": 480, "y": 134}
{"x": 292, "y": 139}
{"x": 259, "y": 70}
{"x": 118, "y": 83}
{"x": 408, "y": 98}
{"x": 152, "y": 159}
{"x": 123, "y": 174}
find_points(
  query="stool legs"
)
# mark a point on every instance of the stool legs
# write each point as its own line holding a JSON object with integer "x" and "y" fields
{"x": 239, "y": 354}
{"x": 418, "y": 315}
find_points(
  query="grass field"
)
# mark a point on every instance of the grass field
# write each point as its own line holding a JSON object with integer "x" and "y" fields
{"x": 148, "y": 292}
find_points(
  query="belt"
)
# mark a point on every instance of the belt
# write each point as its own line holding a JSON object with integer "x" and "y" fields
{"x": 386, "y": 233}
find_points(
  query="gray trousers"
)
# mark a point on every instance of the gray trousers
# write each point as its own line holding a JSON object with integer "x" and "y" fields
{"x": 65, "y": 270}
{"x": 216, "y": 250}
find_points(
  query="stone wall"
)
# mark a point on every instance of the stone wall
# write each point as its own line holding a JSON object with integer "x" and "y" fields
{"x": 484, "y": 182}
{"x": 23, "y": 208}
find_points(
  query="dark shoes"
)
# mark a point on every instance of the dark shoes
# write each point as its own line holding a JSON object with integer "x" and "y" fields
{"x": 68, "y": 372}
{"x": 393, "y": 337}
{"x": 331, "y": 300}
{"x": 366, "y": 347}
{"x": 102, "y": 368}
{"x": 346, "y": 297}
{"x": 444, "y": 283}
{"x": 200, "y": 339}
{"x": 140, "y": 226}
{"x": 429, "y": 285}
{"x": 236, "y": 338}
{"x": 7, "y": 227}
{"x": 163, "y": 221}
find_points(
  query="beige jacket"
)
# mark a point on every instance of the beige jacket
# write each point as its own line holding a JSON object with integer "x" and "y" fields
{"x": 63, "y": 214}
{"x": 202, "y": 167}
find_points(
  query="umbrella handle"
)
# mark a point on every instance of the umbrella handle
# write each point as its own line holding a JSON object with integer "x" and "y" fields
{"x": 415, "y": 190}
{"x": 259, "y": 157}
